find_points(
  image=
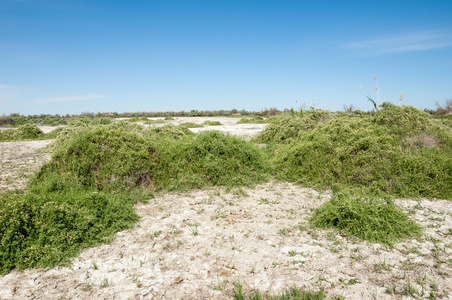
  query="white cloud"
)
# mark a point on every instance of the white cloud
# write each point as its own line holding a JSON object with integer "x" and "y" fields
{"x": 413, "y": 41}
{"x": 90, "y": 96}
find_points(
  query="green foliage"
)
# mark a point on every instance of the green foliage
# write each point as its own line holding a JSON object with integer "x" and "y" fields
{"x": 404, "y": 120}
{"x": 158, "y": 121}
{"x": 293, "y": 293}
{"x": 65, "y": 134}
{"x": 105, "y": 121}
{"x": 55, "y": 219}
{"x": 53, "y": 134}
{"x": 212, "y": 123}
{"x": 170, "y": 131}
{"x": 190, "y": 125}
{"x": 290, "y": 128}
{"x": 212, "y": 158}
{"x": 362, "y": 152}
{"x": 169, "y": 118}
{"x": 374, "y": 219}
{"x": 116, "y": 157}
{"x": 251, "y": 120}
{"x": 27, "y": 131}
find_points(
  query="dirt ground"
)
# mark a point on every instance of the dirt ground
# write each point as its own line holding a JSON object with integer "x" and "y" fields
{"x": 195, "y": 245}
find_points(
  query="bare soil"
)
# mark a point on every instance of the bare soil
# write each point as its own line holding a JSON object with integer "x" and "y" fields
{"x": 196, "y": 244}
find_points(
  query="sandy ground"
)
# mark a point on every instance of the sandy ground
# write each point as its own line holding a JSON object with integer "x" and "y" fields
{"x": 18, "y": 160}
{"x": 195, "y": 245}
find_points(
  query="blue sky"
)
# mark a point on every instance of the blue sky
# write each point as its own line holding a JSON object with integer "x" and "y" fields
{"x": 60, "y": 57}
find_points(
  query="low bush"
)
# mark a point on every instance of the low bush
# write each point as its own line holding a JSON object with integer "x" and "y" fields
{"x": 212, "y": 158}
{"x": 212, "y": 123}
{"x": 190, "y": 125}
{"x": 290, "y": 128}
{"x": 251, "y": 120}
{"x": 373, "y": 219}
{"x": 158, "y": 121}
{"x": 24, "y": 132}
{"x": 55, "y": 219}
{"x": 115, "y": 158}
{"x": 373, "y": 153}
{"x": 105, "y": 121}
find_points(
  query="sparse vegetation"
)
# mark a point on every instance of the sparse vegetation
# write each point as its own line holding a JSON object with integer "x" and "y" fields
{"x": 100, "y": 168}
{"x": 293, "y": 293}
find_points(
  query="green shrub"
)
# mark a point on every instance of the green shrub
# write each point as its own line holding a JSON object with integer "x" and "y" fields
{"x": 19, "y": 120}
{"x": 105, "y": 121}
{"x": 55, "y": 219}
{"x": 251, "y": 120}
{"x": 212, "y": 123}
{"x": 53, "y": 134}
{"x": 373, "y": 219}
{"x": 212, "y": 158}
{"x": 27, "y": 131}
{"x": 65, "y": 134}
{"x": 190, "y": 125}
{"x": 170, "y": 131}
{"x": 362, "y": 153}
{"x": 404, "y": 120}
{"x": 117, "y": 158}
{"x": 169, "y": 118}
{"x": 289, "y": 128}
{"x": 158, "y": 121}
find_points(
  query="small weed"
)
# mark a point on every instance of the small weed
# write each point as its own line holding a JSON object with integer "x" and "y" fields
{"x": 104, "y": 283}
{"x": 194, "y": 228}
{"x": 383, "y": 266}
{"x": 221, "y": 285}
{"x": 155, "y": 234}
{"x": 408, "y": 289}
{"x": 291, "y": 293}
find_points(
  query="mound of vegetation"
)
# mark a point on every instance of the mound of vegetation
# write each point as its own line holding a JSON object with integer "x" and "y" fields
{"x": 289, "y": 128}
{"x": 55, "y": 219}
{"x": 190, "y": 125}
{"x": 158, "y": 121}
{"x": 24, "y": 132}
{"x": 251, "y": 120}
{"x": 378, "y": 153}
{"x": 122, "y": 157}
{"x": 373, "y": 219}
{"x": 212, "y": 123}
